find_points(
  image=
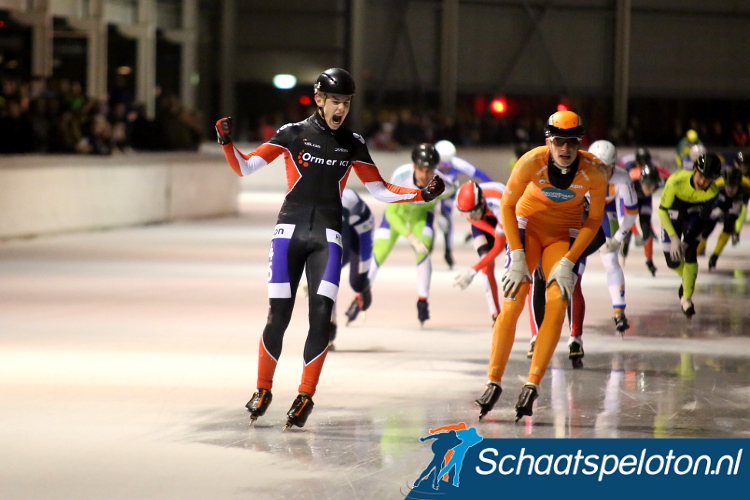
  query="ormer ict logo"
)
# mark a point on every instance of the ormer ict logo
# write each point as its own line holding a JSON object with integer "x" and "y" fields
{"x": 306, "y": 159}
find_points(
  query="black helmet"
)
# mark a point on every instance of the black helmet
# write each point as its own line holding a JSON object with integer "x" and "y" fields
{"x": 564, "y": 124}
{"x": 649, "y": 175}
{"x": 643, "y": 157}
{"x": 335, "y": 81}
{"x": 732, "y": 176}
{"x": 425, "y": 155}
{"x": 709, "y": 165}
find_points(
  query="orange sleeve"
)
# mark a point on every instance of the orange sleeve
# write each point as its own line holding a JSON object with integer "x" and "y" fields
{"x": 597, "y": 201}
{"x": 492, "y": 254}
{"x": 519, "y": 179}
{"x": 483, "y": 225}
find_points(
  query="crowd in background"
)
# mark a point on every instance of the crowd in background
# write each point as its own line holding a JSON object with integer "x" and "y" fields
{"x": 56, "y": 116}
{"x": 391, "y": 129}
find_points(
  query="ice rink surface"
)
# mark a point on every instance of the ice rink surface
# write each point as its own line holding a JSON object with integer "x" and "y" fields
{"x": 127, "y": 356}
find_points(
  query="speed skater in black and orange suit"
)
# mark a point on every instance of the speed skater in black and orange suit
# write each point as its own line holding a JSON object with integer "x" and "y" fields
{"x": 542, "y": 215}
{"x": 319, "y": 154}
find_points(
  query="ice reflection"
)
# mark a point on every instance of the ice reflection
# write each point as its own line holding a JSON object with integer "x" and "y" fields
{"x": 617, "y": 395}
{"x": 627, "y": 395}
{"x": 608, "y": 419}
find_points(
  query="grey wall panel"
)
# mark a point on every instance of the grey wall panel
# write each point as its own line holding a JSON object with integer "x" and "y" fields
{"x": 402, "y": 44}
{"x": 690, "y": 55}
{"x": 572, "y": 50}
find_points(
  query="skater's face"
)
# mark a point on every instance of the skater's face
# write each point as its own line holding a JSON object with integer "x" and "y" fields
{"x": 423, "y": 175}
{"x": 648, "y": 189}
{"x": 730, "y": 190}
{"x": 334, "y": 108}
{"x": 564, "y": 150}
{"x": 700, "y": 181}
{"x": 476, "y": 214}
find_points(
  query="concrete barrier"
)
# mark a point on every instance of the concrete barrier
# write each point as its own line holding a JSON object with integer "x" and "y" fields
{"x": 44, "y": 194}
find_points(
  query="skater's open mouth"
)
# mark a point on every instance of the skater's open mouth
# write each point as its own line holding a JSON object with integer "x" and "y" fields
{"x": 337, "y": 119}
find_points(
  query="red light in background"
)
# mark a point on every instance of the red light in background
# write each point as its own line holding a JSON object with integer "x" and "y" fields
{"x": 562, "y": 107}
{"x": 499, "y": 106}
{"x": 304, "y": 100}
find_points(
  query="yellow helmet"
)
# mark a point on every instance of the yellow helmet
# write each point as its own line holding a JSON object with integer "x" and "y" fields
{"x": 692, "y": 135}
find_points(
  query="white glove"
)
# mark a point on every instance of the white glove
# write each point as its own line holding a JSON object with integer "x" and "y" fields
{"x": 677, "y": 250}
{"x": 463, "y": 279}
{"x": 716, "y": 213}
{"x": 417, "y": 244}
{"x": 563, "y": 274}
{"x": 610, "y": 245}
{"x": 516, "y": 273}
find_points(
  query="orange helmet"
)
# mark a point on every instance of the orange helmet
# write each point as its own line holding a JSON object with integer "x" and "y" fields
{"x": 469, "y": 198}
{"x": 564, "y": 124}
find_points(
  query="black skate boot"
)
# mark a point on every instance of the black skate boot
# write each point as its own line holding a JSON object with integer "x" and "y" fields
{"x": 712, "y": 262}
{"x": 621, "y": 324}
{"x": 300, "y": 410}
{"x": 688, "y": 309}
{"x": 423, "y": 311}
{"x": 530, "y": 354}
{"x": 651, "y": 267}
{"x": 449, "y": 259}
{"x": 485, "y": 403}
{"x": 259, "y": 403}
{"x": 525, "y": 405}
{"x": 575, "y": 353}
{"x": 353, "y": 311}
{"x": 625, "y": 247}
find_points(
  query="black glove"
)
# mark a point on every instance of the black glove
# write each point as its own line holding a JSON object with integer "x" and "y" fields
{"x": 434, "y": 189}
{"x": 224, "y": 130}
{"x": 365, "y": 299}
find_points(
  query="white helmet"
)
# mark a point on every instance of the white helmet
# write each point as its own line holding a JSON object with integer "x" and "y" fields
{"x": 446, "y": 150}
{"x": 605, "y": 151}
{"x": 696, "y": 151}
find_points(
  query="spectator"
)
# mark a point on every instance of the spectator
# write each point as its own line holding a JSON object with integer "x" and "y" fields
{"x": 15, "y": 129}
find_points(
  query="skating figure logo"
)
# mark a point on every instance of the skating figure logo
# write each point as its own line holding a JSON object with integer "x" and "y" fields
{"x": 449, "y": 446}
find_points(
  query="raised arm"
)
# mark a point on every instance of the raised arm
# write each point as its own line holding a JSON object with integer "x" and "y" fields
{"x": 244, "y": 164}
{"x": 390, "y": 193}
